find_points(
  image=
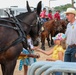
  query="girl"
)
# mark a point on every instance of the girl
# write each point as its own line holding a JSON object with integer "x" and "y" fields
{"x": 57, "y": 51}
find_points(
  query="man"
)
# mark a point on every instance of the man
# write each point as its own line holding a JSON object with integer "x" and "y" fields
{"x": 70, "y": 53}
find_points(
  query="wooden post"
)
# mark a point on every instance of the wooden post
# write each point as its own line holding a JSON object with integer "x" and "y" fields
{"x": 73, "y": 3}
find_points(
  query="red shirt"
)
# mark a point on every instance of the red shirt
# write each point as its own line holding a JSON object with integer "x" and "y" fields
{"x": 57, "y": 16}
{"x": 43, "y": 14}
{"x": 50, "y": 16}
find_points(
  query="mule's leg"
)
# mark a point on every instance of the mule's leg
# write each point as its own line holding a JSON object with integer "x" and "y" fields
{"x": 52, "y": 42}
{"x": 43, "y": 44}
{"x": 49, "y": 41}
{"x": 42, "y": 41}
{"x": 8, "y": 67}
{"x": 52, "y": 35}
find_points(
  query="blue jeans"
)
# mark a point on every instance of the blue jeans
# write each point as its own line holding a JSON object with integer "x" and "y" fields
{"x": 44, "y": 19}
{"x": 70, "y": 55}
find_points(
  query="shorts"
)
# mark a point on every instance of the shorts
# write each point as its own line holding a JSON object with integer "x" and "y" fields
{"x": 27, "y": 61}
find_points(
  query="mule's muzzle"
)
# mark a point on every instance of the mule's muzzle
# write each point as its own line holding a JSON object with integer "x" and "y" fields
{"x": 36, "y": 43}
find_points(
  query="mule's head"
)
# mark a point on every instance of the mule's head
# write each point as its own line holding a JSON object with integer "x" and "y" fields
{"x": 34, "y": 32}
{"x": 31, "y": 22}
{"x": 60, "y": 26}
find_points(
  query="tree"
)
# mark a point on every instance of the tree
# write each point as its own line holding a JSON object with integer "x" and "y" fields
{"x": 62, "y": 7}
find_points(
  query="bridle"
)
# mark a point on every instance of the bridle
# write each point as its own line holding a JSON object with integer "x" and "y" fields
{"x": 18, "y": 27}
{"x": 22, "y": 36}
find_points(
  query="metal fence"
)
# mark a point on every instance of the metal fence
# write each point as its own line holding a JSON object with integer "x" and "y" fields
{"x": 48, "y": 67}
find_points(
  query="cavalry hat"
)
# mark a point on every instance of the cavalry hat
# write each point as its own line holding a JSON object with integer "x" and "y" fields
{"x": 70, "y": 10}
{"x": 59, "y": 36}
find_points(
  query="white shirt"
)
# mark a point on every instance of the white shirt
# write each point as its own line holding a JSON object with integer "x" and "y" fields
{"x": 71, "y": 33}
{"x": 30, "y": 42}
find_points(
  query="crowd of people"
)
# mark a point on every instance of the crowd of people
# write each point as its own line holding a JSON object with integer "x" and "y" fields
{"x": 49, "y": 16}
{"x": 65, "y": 44}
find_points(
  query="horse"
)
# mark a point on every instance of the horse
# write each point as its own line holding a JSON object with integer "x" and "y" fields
{"x": 13, "y": 32}
{"x": 51, "y": 27}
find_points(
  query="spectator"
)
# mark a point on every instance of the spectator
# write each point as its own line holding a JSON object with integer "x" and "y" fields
{"x": 70, "y": 53}
{"x": 29, "y": 60}
{"x": 50, "y": 17}
{"x": 57, "y": 15}
{"x": 57, "y": 51}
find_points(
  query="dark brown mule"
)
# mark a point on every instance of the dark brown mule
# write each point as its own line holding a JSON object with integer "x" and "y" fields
{"x": 51, "y": 27}
{"x": 12, "y": 37}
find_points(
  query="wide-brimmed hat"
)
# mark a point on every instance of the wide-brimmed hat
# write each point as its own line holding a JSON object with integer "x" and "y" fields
{"x": 59, "y": 36}
{"x": 70, "y": 10}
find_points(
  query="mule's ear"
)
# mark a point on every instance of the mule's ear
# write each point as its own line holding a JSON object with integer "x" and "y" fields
{"x": 28, "y": 7}
{"x": 39, "y": 6}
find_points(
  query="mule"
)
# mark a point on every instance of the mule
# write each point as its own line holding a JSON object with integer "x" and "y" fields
{"x": 13, "y": 32}
{"x": 52, "y": 27}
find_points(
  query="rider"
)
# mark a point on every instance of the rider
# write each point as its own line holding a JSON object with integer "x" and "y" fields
{"x": 43, "y": 15}
{"x": 50, "y": 17}
{"x": 57, "y": 15}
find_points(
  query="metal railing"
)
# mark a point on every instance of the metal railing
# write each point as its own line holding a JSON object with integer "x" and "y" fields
{"x": 48, "y": 67}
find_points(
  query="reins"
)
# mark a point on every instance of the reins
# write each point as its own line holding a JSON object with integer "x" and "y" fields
{"x": 22, "y": 37}
{"x": 18, "y": 27}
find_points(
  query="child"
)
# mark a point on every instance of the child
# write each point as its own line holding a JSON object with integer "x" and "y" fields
{"x": 50, "y": 17}
{"x": 43, "y": 15}
{"x": 57, "y": 15}
{"x": 29, "y": 60}
{"x": 57, "y": 51}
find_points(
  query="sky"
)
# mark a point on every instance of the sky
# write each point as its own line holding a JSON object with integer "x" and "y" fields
{"x": 22, "y": 3}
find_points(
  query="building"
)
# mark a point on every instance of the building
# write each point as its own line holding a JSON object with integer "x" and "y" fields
{"x": 15, "y": 10}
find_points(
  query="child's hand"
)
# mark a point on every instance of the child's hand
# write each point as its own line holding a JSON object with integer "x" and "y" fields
{"x": 38, "y": 55}
{"x": 34, "y": 55}
{"x": 50, "y": 59}
{"x": 39, "y": 49}
{"x": 35, "y": 48}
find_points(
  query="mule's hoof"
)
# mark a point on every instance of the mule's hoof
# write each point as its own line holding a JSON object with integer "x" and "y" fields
{"x": 49, "y": 45}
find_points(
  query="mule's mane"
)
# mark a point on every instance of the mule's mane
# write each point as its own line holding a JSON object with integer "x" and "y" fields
{"x": 49, "y": 22}
{"x": 23, "y": 15}
{"x": 20, "y": 16}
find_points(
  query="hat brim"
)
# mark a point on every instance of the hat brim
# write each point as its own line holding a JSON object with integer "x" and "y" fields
{"x": 70, "y": 12}
{"x": 54, "y": 38}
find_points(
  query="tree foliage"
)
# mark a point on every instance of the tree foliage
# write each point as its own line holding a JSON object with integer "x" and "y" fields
{"x": 62, "y": 7}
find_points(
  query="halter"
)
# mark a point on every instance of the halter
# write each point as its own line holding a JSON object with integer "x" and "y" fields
{"x": 22, "y": 37}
